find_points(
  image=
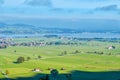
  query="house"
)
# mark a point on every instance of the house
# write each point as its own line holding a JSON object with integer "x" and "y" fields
{"x": 36, "y": 70}
{"x": 111, "y": 47}
{"x": 3, "y": 46}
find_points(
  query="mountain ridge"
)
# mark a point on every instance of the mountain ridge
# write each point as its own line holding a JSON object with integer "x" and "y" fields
{"x": 59, "y": 26}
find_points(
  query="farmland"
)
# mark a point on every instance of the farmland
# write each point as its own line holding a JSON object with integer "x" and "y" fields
{"x": 82, "y": 58}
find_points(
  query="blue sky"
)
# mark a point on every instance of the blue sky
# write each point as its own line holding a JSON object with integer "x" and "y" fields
{"x": 107, "y": 9}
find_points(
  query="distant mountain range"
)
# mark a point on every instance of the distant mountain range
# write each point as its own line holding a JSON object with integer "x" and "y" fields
{"x": 30, "y": 29}
{"x": 60, "y": 26}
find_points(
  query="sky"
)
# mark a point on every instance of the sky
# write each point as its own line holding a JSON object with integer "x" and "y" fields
{"x": 98, "y": 9}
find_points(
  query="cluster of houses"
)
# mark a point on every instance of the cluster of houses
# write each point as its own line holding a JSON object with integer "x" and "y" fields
{"x": 29, "y": 44}
{"x": 50, "y": 69}
{"x": 3, "y": 43}
{"x": 8, "y": 42}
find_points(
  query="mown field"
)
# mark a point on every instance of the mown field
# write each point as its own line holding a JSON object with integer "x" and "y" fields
{"x": 85, "y": 61}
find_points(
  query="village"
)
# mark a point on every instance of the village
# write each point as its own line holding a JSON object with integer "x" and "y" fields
{"x": 5, "y": 42}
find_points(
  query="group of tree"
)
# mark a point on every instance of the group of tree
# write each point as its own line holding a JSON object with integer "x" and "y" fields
{"x": 75, "y": 52}
{"x": 89, "y": 52}
{"x": 22, "y": 59}
{"x": 63, "y": 53}
{"x": 95, "y": 52}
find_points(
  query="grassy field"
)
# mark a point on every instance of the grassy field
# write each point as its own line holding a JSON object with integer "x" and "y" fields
{"x": 82, "y": 61}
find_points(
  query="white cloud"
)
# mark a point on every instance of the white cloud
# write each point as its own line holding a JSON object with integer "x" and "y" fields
{"x": 64, "y": 8}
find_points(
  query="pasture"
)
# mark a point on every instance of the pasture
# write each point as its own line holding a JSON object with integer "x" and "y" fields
{"x": 84, "y": 62}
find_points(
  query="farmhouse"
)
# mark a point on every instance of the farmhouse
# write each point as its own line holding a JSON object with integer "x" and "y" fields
{"x": 111, "y": 47}
{"x": 36, "y": 70}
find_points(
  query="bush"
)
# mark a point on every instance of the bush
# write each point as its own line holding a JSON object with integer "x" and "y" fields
{"x": 28, "y": 58}
{"x": 39, "y": 57}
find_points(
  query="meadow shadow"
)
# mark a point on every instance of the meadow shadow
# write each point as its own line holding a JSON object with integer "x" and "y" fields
{"x": 79, "y": 75}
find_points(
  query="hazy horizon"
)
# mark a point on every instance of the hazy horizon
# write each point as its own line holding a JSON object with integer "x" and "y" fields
{"x": 82, "y": 14}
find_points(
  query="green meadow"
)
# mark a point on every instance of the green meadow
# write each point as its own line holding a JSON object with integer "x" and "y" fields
{"x": 85, "y": 60}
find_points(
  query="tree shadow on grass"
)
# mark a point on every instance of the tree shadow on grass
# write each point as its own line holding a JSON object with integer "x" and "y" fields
{"x": 79, "y": 75}
{"x": 15, "y": 62}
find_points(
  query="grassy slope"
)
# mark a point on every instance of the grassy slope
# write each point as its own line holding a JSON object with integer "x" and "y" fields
{"x": 50, "y": 58}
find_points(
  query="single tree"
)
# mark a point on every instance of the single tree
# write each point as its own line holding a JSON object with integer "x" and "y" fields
{"x": 7, "y": 72}
{"x": 65, "y": 52}
{"x": 76, "y": 51}
{"x": 39, "y": 57}
{"x": 20, "y": 59}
